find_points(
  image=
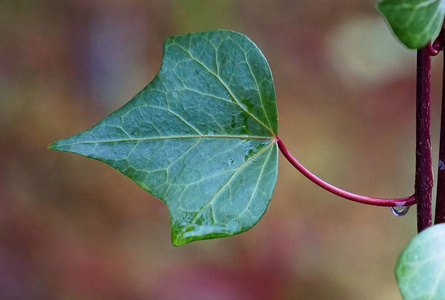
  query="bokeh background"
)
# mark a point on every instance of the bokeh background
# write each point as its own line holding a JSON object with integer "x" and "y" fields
{"x": 73, "y": 228}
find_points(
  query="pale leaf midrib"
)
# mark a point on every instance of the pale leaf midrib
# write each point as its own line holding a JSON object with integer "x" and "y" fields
{"x": 247, "y": 137}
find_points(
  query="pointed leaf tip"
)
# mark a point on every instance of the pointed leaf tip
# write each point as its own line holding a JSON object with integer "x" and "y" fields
{"x": 200, "y": 136}
{"x": 56, "y": 145}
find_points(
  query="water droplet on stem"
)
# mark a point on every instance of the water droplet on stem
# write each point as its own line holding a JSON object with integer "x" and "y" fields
{"x": 400, "y": 211}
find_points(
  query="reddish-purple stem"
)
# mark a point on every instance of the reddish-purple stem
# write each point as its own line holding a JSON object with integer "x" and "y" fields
{"x": 339, "y": 192}
{"x": 424, "y": 171}
{"x": 435, "y": 47}
{"x": 440, "y": 199}
{"x": 432, "y": 51}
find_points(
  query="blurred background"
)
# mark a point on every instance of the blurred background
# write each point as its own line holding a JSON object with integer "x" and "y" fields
{"x": 73, "y": 228}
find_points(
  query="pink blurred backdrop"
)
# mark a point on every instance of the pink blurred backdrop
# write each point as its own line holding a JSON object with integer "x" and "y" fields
{"x": 73, "y": 228}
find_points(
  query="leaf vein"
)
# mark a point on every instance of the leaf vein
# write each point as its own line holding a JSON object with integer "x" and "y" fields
{"x": 256, "y": 185}
{"x": 258, "y": 88}
{"x": 226, "y": 184}
{"x": 228, "y": 90}
{"x": 175, "y": 137}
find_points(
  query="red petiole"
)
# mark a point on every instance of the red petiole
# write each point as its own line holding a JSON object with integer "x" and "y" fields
{"x": 390, "y": 202}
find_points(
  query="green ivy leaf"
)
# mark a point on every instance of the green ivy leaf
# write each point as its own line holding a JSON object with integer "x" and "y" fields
{"x": 420, "y": 270}
{"x": 201, "y": 136}
{"x": 414, "y": 22}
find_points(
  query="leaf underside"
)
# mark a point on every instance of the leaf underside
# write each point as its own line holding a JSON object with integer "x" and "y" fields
{"x": 413, "y": 22}
{"x": 201, "y": 136}
{"x": 420, "y": 270}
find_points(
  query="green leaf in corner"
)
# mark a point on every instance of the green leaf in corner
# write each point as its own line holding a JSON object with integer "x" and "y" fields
{"x": 420, "y": 270}
{"x": 201, "y": 136}
{"x": 414, "y": 22}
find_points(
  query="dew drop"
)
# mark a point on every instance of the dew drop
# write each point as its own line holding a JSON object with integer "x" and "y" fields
{"x": 400, "y": 211}
{"x": 211, "y": 132}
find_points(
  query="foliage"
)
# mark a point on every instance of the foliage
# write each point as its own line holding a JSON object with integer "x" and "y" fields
{"x": 420, "y": 270}
{"x": 200, "y": 136}
{"x": 414, "y": 22}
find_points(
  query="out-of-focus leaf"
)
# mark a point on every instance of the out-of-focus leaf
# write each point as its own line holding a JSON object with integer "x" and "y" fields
{"x": 420, "y": 270}
{"x": 201, "y": 136}
{"x": 414, "y": 22}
